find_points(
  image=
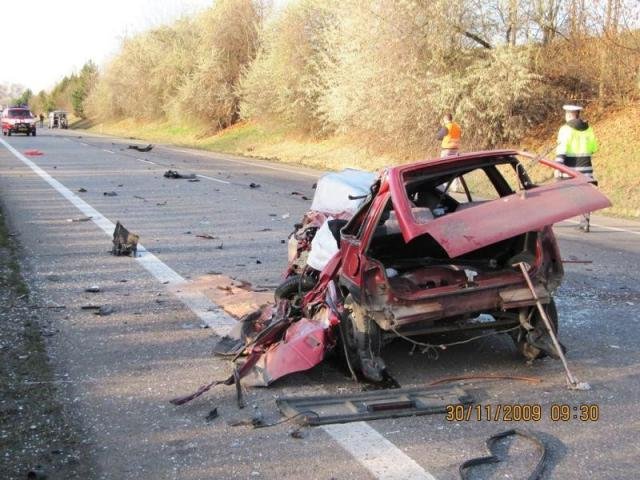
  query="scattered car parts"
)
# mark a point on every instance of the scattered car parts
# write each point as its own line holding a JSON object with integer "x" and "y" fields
{"x": 174, "y": 174}
{"x": 374, "y": 405}
{"x": 492, "y": 458}
{"x": 124, "y": 242}
{"x": 140, "y": 148}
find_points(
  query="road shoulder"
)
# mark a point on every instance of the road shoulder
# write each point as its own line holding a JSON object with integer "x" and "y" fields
{"x": 37, "y": 437}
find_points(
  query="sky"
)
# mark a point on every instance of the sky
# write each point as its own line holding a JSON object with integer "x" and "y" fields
{"x": 44, "y": 40}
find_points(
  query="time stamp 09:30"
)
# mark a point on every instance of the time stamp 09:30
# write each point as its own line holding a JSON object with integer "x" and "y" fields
{"x": 523, "y": 412}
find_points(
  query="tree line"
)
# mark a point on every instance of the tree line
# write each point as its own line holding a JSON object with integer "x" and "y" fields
{"x": 381, "y": 72}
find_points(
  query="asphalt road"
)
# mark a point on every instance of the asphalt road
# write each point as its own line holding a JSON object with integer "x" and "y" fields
{"x": 117, "y": 372}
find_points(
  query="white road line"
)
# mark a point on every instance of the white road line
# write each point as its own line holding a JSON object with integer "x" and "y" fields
{"x": 145, "y": 161}
{"x": 615, "y": 229}
{"x": 377, "y": 454}
{"x": 212, "y": 179}
{"x": 244, "y": 162}
{"x": 367, "y": 446}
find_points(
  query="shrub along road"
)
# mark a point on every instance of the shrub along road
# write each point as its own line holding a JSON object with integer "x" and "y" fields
{"x": 115, "y": 373}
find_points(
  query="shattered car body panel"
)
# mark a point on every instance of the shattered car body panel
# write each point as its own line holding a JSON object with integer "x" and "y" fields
{"x": 302, "y": 348}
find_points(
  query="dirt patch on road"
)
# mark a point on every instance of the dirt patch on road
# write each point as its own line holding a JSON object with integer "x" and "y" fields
{"x": 36, "y": 440}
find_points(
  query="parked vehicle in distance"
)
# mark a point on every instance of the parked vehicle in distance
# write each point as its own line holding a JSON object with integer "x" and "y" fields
{"x": 18, "y": 120}
{"x": 58, "y": 119}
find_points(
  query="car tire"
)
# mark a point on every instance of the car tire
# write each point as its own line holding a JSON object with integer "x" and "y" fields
{"x": 33, "y": 133}
{"x": 525, "y": 348}
{"x": 361, "y": 342}
{"x": 293, "y": 287}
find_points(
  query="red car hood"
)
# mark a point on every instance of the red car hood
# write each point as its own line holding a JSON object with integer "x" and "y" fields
{"x": 490, "y": 222}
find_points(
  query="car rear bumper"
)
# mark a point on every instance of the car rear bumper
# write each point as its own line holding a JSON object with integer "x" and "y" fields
{"x": 468, "y": 302}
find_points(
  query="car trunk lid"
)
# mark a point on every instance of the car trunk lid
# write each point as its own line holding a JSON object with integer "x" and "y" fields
{"x": 467, "y": 230}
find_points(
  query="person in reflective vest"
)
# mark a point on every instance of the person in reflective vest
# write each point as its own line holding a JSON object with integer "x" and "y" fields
{"x": 450, "y": 134}
{"x": 576, "y": 145}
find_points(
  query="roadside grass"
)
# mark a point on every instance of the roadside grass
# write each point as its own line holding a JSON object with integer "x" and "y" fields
{"x": 616, "y": 165}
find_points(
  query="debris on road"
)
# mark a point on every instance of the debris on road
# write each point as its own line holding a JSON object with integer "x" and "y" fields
{"x": 79, "y": 219}
{"x": 206, "y": 236}
{"x": 92, "y": 289}
{"x": 141, "y": 148}
{"x": 82, "y": 190}
{"x": 463, "y": 469}
{"x": 33, "y": 153}
{"x": 105, "y": 310}
{"x": 161, "y": 204}
{"x": 110, "y": 194}
{"x": 175, "y": 175}
{"x": 124, "y": 242}
{"x": 211, "y": 416}
{"x": 140, "y": 198}
{"x": 90, "y": 307}
{"x": 254, "y": 420}
{"x": 254, "y": 185}
{"x": 298, "y": 433}
{"x": 373, "y": 405}
{"x": 37, "y": 473}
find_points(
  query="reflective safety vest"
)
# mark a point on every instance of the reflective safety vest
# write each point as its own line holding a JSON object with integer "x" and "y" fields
{"x": 452, "y": 138}
{"x": 575, "y": 148}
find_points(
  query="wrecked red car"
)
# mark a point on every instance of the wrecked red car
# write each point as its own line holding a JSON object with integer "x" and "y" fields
{"x": 398, "y": 255}
{"x": 415, "y": 259}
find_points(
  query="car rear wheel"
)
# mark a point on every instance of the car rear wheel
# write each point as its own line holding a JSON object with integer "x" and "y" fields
{"x": 536, "y": 343}
{"x": 361, "y": 342}
{"x": 9, "y": 132}
{"x": 33, "y": 133}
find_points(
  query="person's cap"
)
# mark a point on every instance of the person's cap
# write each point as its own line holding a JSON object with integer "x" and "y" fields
{"x": 571, "y": 108}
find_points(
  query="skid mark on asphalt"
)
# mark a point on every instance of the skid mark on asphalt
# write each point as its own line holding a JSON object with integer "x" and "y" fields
{"x": 367, "y": 446}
